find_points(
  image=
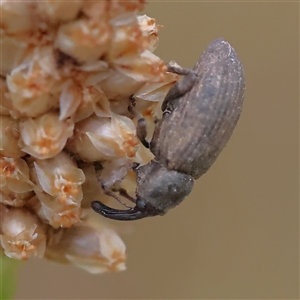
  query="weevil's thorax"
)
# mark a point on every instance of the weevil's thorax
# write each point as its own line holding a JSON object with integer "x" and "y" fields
{"x": 159, "y": 189}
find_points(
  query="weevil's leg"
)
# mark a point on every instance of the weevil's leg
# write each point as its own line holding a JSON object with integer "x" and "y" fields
{"x": 135, "y": 166}
{"x": 154, "y": 144}
{"x": 174, "y": 67}
{"x": 141, "y": 130}
{"x": 181, "y": 87}
{"x": 122, "y": 192}
{"x": 107, "y": 191}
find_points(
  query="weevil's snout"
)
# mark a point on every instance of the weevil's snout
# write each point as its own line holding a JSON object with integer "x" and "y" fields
{"x": 123, "y": 215}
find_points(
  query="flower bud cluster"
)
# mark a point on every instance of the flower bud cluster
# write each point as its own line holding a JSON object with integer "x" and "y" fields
{"x": 69, "y": 71}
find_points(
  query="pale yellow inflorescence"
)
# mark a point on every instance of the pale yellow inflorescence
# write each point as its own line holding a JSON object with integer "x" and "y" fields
{"x": 69, "y": 71}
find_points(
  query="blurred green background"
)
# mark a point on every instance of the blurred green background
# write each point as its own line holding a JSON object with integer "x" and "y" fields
{"x": 237, "y": 234}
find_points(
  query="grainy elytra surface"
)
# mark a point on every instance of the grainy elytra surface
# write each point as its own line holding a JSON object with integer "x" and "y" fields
{"x": 192, "y": 136}
{"x": 236, "y": 236}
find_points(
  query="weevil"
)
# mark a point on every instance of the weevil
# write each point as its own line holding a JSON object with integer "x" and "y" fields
{"x": 200, "y": 112}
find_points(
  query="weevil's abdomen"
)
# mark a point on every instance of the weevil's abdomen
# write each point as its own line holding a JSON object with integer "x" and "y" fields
{"x": 194, "y": 134}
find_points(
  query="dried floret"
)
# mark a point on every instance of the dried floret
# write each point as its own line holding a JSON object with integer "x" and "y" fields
{"x": 118, "y": 86}
{"x": 96, "y": 9}
{"x": 14, "y": 174}
{"x": 54, "y": 11}
{"x": 156, "y": 91}
{"x": 4, "y": 100}
{"x": 70, "y": 72}
{"x": 99, "y": 138}
{"x": 119, "y": 7}
{"x": 119, "y": 89}
{"x": 146, "y": 67}
{"x": 58, "y": 214}
{"x": 91, "y": 246}
{"x": 21, "y": 233}
{"x": 128, "y": 51}
{"x": 60, "y": 177}
{"x": 9, "y": 137}
{"x": 11, "y": 198}
{"x": 70, "y": 99}
{"x": 81, "y": 102}
{"x": 150, "y": 30}
{"x": 127, "y": 37}
{"x": 59, "y": 189}
{"x": 84, "y": 40}
{"x": 15, "y": 16}
{"x": 45, "y": 136}
{"x": 30, "y": 84}
{"x": 13, "y": 49}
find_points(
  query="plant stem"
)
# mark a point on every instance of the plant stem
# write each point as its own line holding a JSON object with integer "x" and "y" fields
{"x": 8, "y": 269}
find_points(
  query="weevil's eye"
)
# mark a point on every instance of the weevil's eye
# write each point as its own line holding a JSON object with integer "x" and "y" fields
{"x": 141, "y": 204}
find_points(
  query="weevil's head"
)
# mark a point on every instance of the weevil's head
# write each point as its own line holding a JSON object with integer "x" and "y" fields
{"x": 158, "y": 190}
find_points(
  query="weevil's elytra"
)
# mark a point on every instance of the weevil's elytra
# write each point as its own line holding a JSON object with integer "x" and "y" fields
{"x": 200, "y": 113}
{"x": 205, "y": 116}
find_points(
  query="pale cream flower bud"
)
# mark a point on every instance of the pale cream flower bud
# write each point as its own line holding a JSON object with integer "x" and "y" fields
{"x": 70, "y": 99}
{"x": 15, "y": 16}
{"x": 30, "y": 84}
{"x": 56, "y": 10}
{"x": 15, "y": 185}
{"x": 156, "y": 91}
{"x": 84, "y": 40}
{"x": 102, "y": 9}
{"x": 118, "y": 7}
{"x": 150, "y": 30}
{"x": 99, "y": 138}
{"x": 128, "y": 51}
{"x": 91, "y": 246}
{"x": 127, "y": 37}
{"x": 59, "y": 189}
{"x": 59, "y": 176}
{"x": 4, "y": 100}
{"x": 118, "y": 88}
{"x": 81, "y": 102}
{"x": 45, "y": 136}
{"x": 69, "y": 72}
{"x": 9, "y": 137}
{"x": 21, "y": 233}
{"x": 11, "y": 198}
{"x": 96, "y": 10}
{"x": 14, "y": 174}
{"x": 12, "y": 49}
{"x": 59, "y": 214}
{"x": 145, "y": 67}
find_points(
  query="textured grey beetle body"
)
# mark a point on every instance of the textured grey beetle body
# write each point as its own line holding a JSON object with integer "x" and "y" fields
{"x": 191, "y": 137}
{"x": 199, "y": 114}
